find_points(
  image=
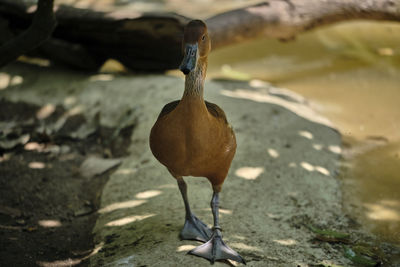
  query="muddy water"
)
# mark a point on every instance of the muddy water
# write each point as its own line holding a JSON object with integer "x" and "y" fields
{"x": 351, "y": 74}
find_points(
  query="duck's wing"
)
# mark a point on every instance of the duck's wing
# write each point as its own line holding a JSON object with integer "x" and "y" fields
{"x": 216, "y": 111}
{"x": 168, "y": 108}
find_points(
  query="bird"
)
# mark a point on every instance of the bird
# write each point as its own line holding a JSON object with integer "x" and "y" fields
{"x": 192, "y": 137}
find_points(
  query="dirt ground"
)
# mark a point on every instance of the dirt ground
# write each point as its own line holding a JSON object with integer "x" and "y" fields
{"x": 40, "y": 182}
{"x": 79, "y": 186}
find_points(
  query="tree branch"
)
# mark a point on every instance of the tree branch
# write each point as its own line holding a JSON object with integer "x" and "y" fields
{"x": 284, "y": 19}
{"x": 42, "y": 26}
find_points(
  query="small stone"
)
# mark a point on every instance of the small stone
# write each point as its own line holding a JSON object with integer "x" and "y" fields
{"x": 83, "y": 211}
{"x": 20, "y": 222}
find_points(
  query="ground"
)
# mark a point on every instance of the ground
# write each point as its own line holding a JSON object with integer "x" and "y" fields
{"x": 80, "y": 186}
{"x": 41, "y": 181}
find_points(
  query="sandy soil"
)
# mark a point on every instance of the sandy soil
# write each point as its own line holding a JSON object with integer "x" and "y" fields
{"x": 282, "y": 187}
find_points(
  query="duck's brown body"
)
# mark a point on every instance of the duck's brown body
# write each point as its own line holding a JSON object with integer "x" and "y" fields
{"x": 192, "y": 138}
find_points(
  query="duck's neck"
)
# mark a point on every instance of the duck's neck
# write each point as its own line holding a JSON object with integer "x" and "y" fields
{"x": 194, "y": 82}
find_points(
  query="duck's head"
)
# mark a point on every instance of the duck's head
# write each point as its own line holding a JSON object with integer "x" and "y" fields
{"x": 195, "y": 45}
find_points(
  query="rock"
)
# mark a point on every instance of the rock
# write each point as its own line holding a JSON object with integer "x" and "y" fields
{"x": 85, "y": 210}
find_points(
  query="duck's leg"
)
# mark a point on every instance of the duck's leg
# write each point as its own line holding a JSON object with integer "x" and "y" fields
{"x": 215, "y": 248}
{"x": 194, "y": 229}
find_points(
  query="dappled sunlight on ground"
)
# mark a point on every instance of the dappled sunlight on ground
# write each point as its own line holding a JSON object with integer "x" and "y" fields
{"x": 292, "y": 165}
{"x": 5, "y": 157}
{"x": 45, "y": 111}
{"x": 148, "y": 194}
{"x": 35, "y": 60}
{"x": 6, "y": 80}
{"x": 249, "y": 173}
{"x": 273, "y": 216}
{"x": 70, "y": 262}
{"x": 129, "y": 219}
{"x": 238, "y": 237}
{"x": 317, "y": 146}
{"x": 125, "y": 171}
{"x": 185, "y": 248}
{"x": 70, "y": 101}
{"x": 298, "y": 108}
{"x": 49, "y": 223}
{"x": 306, "y": 134}
{"x": 47, "y": 148}
{"x": 273, "y": 153}
{"x": 322, "y": 170}
{"x": 101, "y": 77}
{"x": 74, "y": 111}
{"x": 36, "y": 165}
{"x": 141, "y": 198}
{"x": 34, "y": 146}
{"x": 60, "y": 263}
{"x": 221, "y": 211}
{"x": 167, "y": 186}
{"x": 122, "y": 205}
{"x": 240, "y": 245}
{"x": 335, "y": 149}
{"x": 285, "y": 242}
{"x": 255, "y": 83}
{"x": 309, "y": 167}
{"x": 225, "y": 211}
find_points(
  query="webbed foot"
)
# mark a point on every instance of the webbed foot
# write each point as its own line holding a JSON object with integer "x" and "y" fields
{"x": 215, "y": 249}
{"x": 195, "y": 229}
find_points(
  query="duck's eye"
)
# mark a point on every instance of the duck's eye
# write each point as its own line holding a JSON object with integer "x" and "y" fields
{"x": 203, "y": 38}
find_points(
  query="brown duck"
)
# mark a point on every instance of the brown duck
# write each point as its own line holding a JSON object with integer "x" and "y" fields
{"x": 192, "y": 137}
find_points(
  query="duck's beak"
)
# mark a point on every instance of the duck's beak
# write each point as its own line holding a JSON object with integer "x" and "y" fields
{"x": 189, "y": 59}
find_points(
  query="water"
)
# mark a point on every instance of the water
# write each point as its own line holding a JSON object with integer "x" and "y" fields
{"x": 350, "y": 72}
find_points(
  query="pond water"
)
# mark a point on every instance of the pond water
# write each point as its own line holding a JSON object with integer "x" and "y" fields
{"x": 350, "y": 73}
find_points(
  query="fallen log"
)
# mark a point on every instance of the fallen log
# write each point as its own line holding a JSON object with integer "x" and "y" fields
{"x": 284, "y": 19}
{"x": 151, "y": 41}
{"x": 43, "y": 24}
{"x": 85, "y": 38}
